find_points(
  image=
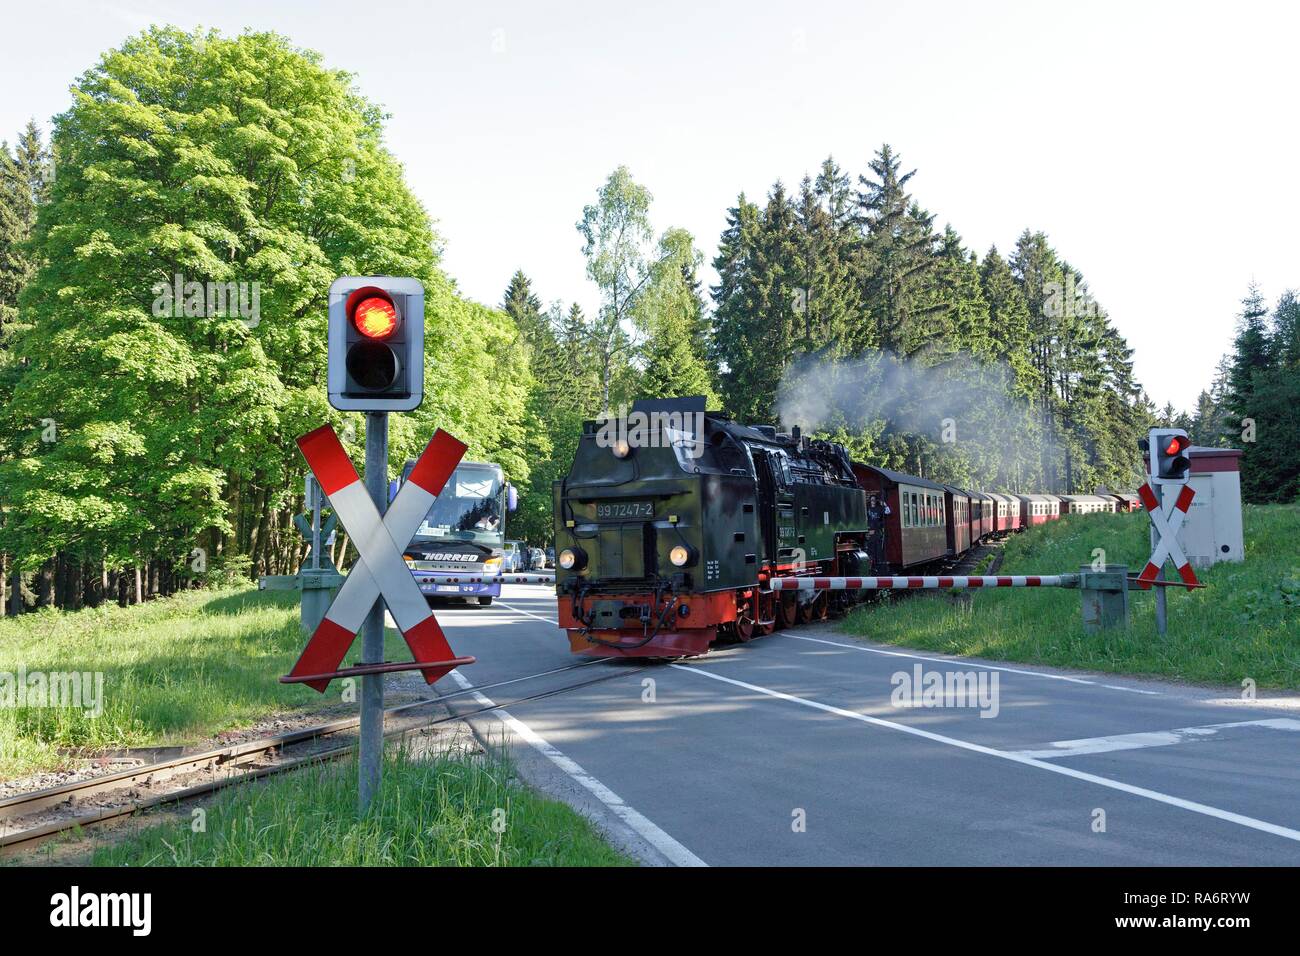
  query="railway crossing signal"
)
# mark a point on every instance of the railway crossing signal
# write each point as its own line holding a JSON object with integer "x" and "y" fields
{"x": 1166, "y": 518}
{"x": 376, "y": 343}
{"x": 1170, "y": 463}
{"x": 379, "y": 577}
{"x": 380, "y": 571}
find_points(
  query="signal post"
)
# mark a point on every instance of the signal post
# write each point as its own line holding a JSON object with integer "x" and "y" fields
{"x": 1170, "y": 465}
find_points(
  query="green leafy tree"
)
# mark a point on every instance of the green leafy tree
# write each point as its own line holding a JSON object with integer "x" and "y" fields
{"x": 616, "y": 233}
{"x": 241, "y": 160}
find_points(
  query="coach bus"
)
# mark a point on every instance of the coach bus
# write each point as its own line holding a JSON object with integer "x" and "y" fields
{"x": 463, "y": 535}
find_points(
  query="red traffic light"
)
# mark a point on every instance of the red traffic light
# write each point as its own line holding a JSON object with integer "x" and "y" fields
{"x": 375, "y": 317}
{"x": 1177, "y": 444}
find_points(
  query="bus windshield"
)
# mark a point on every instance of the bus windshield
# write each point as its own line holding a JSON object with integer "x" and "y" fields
{"x": 469, "y": 508}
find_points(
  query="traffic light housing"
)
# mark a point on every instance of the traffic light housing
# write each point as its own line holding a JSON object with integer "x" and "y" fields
{"x": 1170, "y": 459}
{"x": 376, "y": 344}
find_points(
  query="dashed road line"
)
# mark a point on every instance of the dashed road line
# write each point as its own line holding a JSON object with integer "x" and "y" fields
{"x": 1157, "y": 738}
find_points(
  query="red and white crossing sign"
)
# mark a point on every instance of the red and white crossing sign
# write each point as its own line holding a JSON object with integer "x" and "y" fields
{"x": 1166, "y": 520}
{"x": 381, "y": 570}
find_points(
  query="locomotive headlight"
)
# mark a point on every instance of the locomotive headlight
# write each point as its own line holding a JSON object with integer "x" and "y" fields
{"x": 573, "y": 559}
{"x": 682, "y": 555}
{"x": 621, "y": 448}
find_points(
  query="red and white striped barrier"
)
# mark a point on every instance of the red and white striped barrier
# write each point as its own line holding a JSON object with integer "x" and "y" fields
{"x": 913, "y": 583}
{"x": 497, "y": 579}
{"x": 1167, "y": 520}
{"x": 376, "y": 540}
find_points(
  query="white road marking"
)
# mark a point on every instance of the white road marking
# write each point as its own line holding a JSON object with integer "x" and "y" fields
{"x": 964, "y": 660}
{"x": 661, "y": 841}
{"x": 519, "y": 610}
{"x": 1159, "y": 738}
{"x": 1201, "y": 808}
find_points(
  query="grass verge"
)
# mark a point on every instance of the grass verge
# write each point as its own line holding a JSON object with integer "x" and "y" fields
{"x": 453, "y": 810}
{"x": 174, "y": 670}
{"x": 1245, "y": 624}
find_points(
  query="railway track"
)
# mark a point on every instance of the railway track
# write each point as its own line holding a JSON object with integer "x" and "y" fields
{"x": 29, "y": 819}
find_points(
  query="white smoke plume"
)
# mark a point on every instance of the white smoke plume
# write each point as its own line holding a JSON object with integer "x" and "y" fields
{"x": 961, "y": 404}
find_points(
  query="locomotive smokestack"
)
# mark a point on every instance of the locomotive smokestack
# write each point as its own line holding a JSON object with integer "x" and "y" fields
{"x": 797, "y": 435}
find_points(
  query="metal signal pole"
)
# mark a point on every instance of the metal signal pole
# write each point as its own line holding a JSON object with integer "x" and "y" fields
{"x": 1162, "y": 620}
{"x": 371, "y": 751}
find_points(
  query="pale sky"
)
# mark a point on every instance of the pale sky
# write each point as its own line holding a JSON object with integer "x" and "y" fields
{"x": 1156, "y": 143}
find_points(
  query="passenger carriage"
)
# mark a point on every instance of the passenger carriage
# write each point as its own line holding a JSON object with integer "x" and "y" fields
{"x": 956, "y": 504}
{"x": 916, "y": 527}
{"x": 1037, "y": 509}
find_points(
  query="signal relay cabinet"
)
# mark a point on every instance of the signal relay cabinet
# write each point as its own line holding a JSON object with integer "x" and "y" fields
{"x": 1211, "y": 532}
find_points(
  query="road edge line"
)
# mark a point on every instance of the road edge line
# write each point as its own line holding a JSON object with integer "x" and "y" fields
{"x": 644, "y": 830}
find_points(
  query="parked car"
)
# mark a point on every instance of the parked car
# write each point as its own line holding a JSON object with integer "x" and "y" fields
{"x": 537, "y": 560}
{"x": 513, "y": 556}
{"x": 550, "y": 558}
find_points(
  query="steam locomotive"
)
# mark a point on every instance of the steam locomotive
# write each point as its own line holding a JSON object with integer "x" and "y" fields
{"x": 673, "y": 519}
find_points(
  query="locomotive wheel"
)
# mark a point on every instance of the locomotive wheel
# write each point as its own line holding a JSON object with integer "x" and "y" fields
{"x": 744, "y": 626}
{"x": 767, "y": 609}
{"x": 814, "y": 610}
{"x": 790, "y": 613}
{"x": 744, "y": 629}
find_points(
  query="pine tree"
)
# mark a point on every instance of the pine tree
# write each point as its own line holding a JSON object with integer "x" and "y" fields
{"x": 1008, "y": 322}
{"x": 1250, "y": 355}
{"x": 24, "y": 187}
{"x": 900, "y": 243}
{"x": 829, "y": 296}
{"x": 739, "y": 341}
{"x": 1284, "y": 340}
{"x": 672, "y": 315}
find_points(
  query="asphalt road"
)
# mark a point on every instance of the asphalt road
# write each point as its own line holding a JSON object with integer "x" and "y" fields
{"x": 795, "y": 749}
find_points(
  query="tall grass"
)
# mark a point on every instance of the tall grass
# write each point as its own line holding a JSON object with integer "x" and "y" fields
{"x": 455, "y": 810}
{"x": 175, "y": 670}
{"x": 1244, "y": 624}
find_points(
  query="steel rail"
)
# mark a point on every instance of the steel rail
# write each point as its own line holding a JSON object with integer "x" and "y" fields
{"x": 26, "y": 804}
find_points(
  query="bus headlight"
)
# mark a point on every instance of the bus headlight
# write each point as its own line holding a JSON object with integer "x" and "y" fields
{"x": 682, "y": 555}
{"x": 573, "y": 559}
{"x": 492, "y": 566}
{"x": 410, "y": 561}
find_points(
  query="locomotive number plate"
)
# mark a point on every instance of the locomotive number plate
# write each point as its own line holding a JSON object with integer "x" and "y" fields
{"x": 624, "y": 510}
